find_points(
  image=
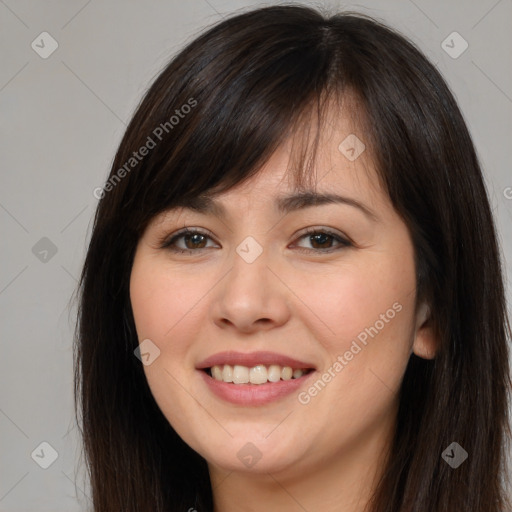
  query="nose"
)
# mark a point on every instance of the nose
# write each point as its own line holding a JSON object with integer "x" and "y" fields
{"x": 251, "y": 296}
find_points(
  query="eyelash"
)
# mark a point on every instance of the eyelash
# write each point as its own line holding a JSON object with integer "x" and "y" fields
{"x": 168, "y": 243}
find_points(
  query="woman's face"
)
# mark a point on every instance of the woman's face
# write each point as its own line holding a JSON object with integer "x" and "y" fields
{"x": 337, "y": 303}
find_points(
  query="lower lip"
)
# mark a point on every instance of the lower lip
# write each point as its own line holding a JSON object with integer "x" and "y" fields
{"x": 254, "y": 394}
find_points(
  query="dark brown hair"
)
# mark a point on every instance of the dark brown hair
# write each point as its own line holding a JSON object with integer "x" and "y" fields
{"x": 248, "y": 82}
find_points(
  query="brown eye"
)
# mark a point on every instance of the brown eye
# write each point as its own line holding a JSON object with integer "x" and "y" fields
{"x": 196, "y": 241}
{"x": 322, "y": 240}
{"x": 192, "y": 239}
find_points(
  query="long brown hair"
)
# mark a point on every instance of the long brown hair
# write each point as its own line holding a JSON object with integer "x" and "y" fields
{"x": 212, "y": 118}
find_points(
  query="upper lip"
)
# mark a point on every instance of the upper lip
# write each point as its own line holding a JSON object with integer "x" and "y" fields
{"x": 252, "y": 359}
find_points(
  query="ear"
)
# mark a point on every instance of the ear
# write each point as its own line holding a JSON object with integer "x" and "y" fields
{"x": 425, "y": 344}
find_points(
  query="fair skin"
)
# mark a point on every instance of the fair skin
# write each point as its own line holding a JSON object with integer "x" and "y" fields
{"x": 328, "y": 453}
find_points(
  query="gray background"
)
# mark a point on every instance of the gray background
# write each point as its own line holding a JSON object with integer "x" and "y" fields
{"x": 61, "y": 121}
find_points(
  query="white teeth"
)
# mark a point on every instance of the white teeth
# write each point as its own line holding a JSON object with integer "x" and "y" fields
{"x": 297, "y": 373}
{"x": 274, "y": 373}
{"x": 259, "y": 374}
{"x": 226, "y": 373}
{"x": 217, "y": 372}
{"x": 286, "y": 373}
{"x": 240, "y": 374}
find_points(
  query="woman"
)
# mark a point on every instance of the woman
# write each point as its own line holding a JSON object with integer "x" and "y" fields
{"x": 292, "y": 297}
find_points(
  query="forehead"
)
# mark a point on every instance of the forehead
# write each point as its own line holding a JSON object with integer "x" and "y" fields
{"x": 335, "y": 158}
{"x": 334, "y": 179}
{"x": 331, "y": 157}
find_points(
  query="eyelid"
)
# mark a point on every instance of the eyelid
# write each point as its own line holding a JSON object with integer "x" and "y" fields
{"x": 322, "y": 229}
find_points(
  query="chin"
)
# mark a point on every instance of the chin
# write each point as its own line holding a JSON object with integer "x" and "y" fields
{"x": 252, "y": 453}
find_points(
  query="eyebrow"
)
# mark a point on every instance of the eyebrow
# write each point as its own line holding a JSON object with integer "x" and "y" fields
{"x": 206, "y": 204}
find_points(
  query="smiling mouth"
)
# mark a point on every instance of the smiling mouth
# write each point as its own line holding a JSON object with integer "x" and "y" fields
{"x": 258, "y": 374}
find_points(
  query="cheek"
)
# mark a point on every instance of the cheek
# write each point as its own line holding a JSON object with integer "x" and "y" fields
{"x": 166, "y": 307}
{"x": 360, "y": 303}
{"x": 366, "y": 312}
{"x": 163, "y": 300}
{"x": 369, "y": 312}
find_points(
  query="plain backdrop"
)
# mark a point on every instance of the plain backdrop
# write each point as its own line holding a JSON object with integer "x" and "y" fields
{"x": 62, "y": 117}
